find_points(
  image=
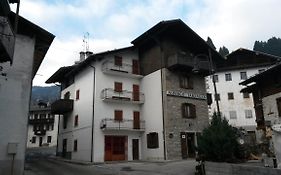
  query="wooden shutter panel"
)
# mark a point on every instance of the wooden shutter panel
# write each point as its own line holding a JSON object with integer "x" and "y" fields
{"x": 192, "y": 111}
{"x": 118, "y": 115}
{"x": 118, "y": 61}
{"x": 118, "y": 87}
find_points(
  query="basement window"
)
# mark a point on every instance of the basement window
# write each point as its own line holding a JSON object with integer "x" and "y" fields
{"x": 152, "y": 140}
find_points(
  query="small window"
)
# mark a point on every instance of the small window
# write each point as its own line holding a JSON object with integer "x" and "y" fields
{"x": 232, "y": 115}
{"x": 217, "y": 97}
{"x": 216, "y": 78}
{"x": 278, "y": 101}
{"x": 118, "y": 115}
{"x": 52, "y": 127}
{"x": 228, "y": 77}
{"x": 49, "y": 139}
{"x": 118, "y": 87}
{"x": 65, "y": 121}
{"x": 67, "y": 95}
{"x": 33, "y": 140}
{"x": 152, "y": 140}
{"x": 188, "y": 110}
{"x": 75, "y": 145}
{"x": 186, "y": 82}
{"x": 118, "y": 61}
{"x": 77, "y": 94}
{"x": 243, "y": 75}
{"x": 230, "y": 96}
{"x": 246, "y": 95}
{"x": 248, "y": 114}
{"x": 76, "y": 120}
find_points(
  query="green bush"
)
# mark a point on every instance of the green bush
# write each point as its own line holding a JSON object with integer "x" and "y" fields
{"x": 219, "y": 142}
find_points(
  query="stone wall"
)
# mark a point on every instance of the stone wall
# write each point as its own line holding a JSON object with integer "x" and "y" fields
{"x": 213, "y": 168}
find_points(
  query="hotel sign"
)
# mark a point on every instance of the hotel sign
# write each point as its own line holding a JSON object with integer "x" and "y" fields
{"x": 187, "y": 95}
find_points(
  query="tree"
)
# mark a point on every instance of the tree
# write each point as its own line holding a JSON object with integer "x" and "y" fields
{"x": 210, "y": 43}
{"x": 223, "y": 51}
{"x": 271, "y": 46}
{"x": 219, "y": 141}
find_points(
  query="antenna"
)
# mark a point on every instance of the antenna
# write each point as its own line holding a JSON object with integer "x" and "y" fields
{"x": 86, "y": 41}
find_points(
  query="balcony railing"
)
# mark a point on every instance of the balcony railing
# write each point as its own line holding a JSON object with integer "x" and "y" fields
{"x": 124, "y": 70}
{"x": 187, "y": 61}
{"x": 41, "y": 121}
{"x": 40, "y": 132}
{"x": 124, "y": 125}
{"x": 62, "y": 106}
{"x": 7, "y": 40}
{"x": 111, "y": 95}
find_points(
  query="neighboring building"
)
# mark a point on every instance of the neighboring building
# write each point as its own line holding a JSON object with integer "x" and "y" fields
{"x": 31, "y": 43}
{"x": 139, "y": 102}
{"x": 266, "y": 90}
{"x": 42, "y": 127}
{"x": 235, "y": 106}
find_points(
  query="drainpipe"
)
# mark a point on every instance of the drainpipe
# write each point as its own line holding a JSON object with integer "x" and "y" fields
{"x": 57, "y": 147}
{"x": 93, "y": 118}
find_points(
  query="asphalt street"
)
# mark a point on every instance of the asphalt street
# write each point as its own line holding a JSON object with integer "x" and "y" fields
{"x": 47, "y": 166}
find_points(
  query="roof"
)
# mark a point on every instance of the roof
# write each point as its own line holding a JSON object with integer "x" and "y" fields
{"x": 244, "y": 58}
{"x": 65, "y": 72}
{"x": 264, "y": 74}
{"x": 43, "y": 39}
{"x": 178, "y": 29}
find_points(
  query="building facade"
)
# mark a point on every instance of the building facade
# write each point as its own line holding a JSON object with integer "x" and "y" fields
{"x": 235, "y": 106}
{"x": 42, "y": 127}
{"x": 140, "y": 102}
{"x": 16, "y": 77}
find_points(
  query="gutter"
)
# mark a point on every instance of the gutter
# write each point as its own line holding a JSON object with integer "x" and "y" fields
{"x": 93, "y": 118}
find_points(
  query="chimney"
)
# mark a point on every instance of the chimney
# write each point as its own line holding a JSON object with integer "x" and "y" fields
{"x": 82, "y": 56}
{"x": 88, "y": 53}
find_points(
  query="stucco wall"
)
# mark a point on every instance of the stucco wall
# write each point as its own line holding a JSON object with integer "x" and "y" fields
{"x": 15, "y": 92}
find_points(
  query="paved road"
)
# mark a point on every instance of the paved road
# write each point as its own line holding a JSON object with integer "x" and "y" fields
{"x": 46, "y": 166}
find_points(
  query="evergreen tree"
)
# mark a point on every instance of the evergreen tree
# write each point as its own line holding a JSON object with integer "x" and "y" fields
{"x": 271, "y": 46}
{"x": 210, "y": 43}
{"x": 219, "y": 141}
{"x": 223, "y": 51}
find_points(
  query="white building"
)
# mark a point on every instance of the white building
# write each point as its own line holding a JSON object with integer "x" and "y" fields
{"x": 27, "y": 49}
{"x": 140, "y": 102}
{"x": 42, "y": 127}
{"x": 237, "y": 107}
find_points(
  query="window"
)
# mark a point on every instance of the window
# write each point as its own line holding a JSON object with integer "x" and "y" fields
{"x": 118, "y": 87}
{"x": 75, "y": 145}
{"x": 243, "y": 75}
{"x": 216, "y": 78}
{"x": 186, "y": 82}
{"x": 35, "y": 116}
{"x": 228, "y": 77}
{"x": 49, "y": 139}
{"x": 118, "y": 61}
{"x": 278, "y": 101}
{"x": 230, "y": 96}
{"x": 77, "y": 94}
{"x": 52, "y": 127}
{"x": 47, "y": 127}
{"x": 188, "y": 110}
{"x": 118, "y": 115}
{"x": 248, "y": 113}
{"x": 33, "y": 140}
{"x": 217, "y": 97}
{"x": 76, "y": 120}
{"x": 246, "y": 95}
{"x": 232, "y": 115}
{"x": 42, "y": 116}
{"x": 152, "y": 140}
{"x": 65, "y": 121}
{"x": 67, "y": 95}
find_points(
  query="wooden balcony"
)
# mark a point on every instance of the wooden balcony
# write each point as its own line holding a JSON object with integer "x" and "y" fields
{"x": 41, "y": 121}
{"x": 7, "y": 40}
{"x": 62, "y": 106}
{"x": 110, "y": 95}
{"x": 126, "y": 70}
{"x": 122, "y": 125}
{"x": 188, "y": 62}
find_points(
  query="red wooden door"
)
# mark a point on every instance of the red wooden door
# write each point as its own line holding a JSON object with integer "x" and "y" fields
{"x": 136, "y": 92}
{"x": 136, "y": 120}
{"x": 136, "y": 69}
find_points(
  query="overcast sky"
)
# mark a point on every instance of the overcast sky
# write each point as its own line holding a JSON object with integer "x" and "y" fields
{"x": 115, "y": 23}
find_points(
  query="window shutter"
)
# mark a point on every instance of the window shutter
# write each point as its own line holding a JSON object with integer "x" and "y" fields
{"x": 118, "y": 61}
{"x": 77, "y": 94}
{"x": 76, "y": 120}
{"x": 118, "y": 87}
{"x": 192, "y": 111}
{"x": 118, "y": 115}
